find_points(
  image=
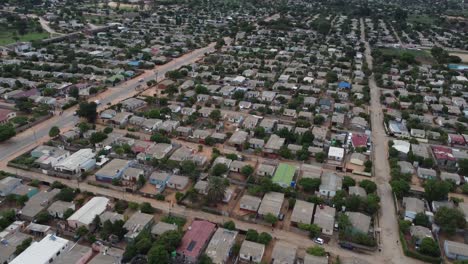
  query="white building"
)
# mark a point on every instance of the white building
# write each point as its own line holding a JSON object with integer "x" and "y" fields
{"x": 80, "y": 161}
{"x": 335, "y": 153}
{"x": 44, "y": 251}
{"x": 86, "y": 214}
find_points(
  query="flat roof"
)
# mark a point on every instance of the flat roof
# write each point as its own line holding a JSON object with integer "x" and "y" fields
{"x": 271, "y": 203}
{"x": 113, "y": 167}
{"x": 302, "y": 212}
{"x": 220, "y": 245}
{"x": 283, "y": 252}
{"x": 284, "y": 174}
{"x": 73, "y": 254}
{"x": 76, "y": 159}
{"x": 42, "y": 251}
{"x": 87, "y": 213}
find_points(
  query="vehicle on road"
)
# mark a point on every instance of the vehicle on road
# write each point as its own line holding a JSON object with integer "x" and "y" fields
{"x": 346, "y": 245}
{"x": 141, "y": 80}
{"x": 97, "y": 102}
{"x": 319, "y": 240}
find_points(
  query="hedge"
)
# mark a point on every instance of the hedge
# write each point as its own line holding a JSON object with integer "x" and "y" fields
{"x": 417, "y": 255}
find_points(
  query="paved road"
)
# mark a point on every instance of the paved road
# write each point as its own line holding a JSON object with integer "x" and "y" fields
{"x": 391, "y": 251}
{"x": 39, "y": 133}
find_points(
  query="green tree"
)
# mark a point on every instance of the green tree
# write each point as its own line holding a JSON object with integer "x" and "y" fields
{"x": 270, "y": 218}
{"x": 309, "y": 184}
{"x": 7, "y": 131}
{"x": 251, "y": 235}
{"x": 144, "y": 245}
{"x": 219, "y": 169}
{"x": 429, "y": 247}
{"x": 463, "y": 167}
{"x": 88, "y": 111}
{"x": 23, "y": 246}
{"x": 54, "y": 131}
{"x": 205, "y": 259}
{"x": 320, "y": 157}
{"x": 216, "y": 189}
{"x": 422, "y": 219}
{"x": 158, "y": 255}
{"x": 215, "y": 115}
{"x": 43, "y": 217}
{"x": 230, "y": 225}
{"x": 449, "y": 219}
{"x": 316, "y": 251}
{"x": 348, "y": 182}
{"x": 97, "y": 137}
{"x": 81, "y": 231}
{"x": 247, "y": 170}
{"x": 400, "y": 187}
{"x": 146, "y": 208}
{"x": 68, "y": 213}
{"x": 435, "y": 190}
{"x": 66, "y": 194}
{"x": 160, "y": 138}
{"x": 368, "y": 185}
{"x": 264, "y": 238}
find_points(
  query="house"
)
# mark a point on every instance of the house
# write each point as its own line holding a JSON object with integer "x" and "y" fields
{"x": 283, "y": 253}
{"x": 302, "y": 212}
{"x": 403, "y": 147}
{"x": 237, "y": 165}
{"x": 75, "y": 255}
{"x": 398, "y": 129}
{"x": 420, "y": 150}
{"x": 456, "y": 140}
{"x": 37, "y": 203}
{"x": 424, "y": 173}
{"x": 284, "y": 175}
{"x": 272, "y": 203}
{"x": 455, "y": 250}
{"x": 418, "y": 133}
{"x": 251, "y": 252}
{"x": 161, "y": 150}
{"x": 310, "y": 259}
{"x": 161, "y": 228}
{"x": 137, "y": 223}
{"x": 359, "y": 140}
{"x": 357, "y": 190}
{"x": 112, "y": 170}
{"x": 26, "y": 190}
{"x": 6, "y": 115}
{"x": 265, "y": 170}
{"x": 273, "y": 144}
{"x": 8, "y": 184}
{"x": 358, "y": 159}
{"x": 178, "y": 182}
{"x": 444, "y": 157}
{"x": 81, "y": 161}
{"x": 325, "y": 218}
{"x": 268, "y": 124}
{"x": 57, "y": 208}
{"x": 44, "y": 251}
{"x": 418, "y": 233}
{"x": 50, "y": 156}
{"x": 201, "y": 187}
{"x": 331, "y": 183}
{"x": 359, "y": 221}
{"x": 132, "y": 104}
{"x": 159, "y": 179}
{"x": 450, "y": 176}
{"x": 165, "y": 84}
{"x": 107, "y": 255}
{"x": 238, "y": 139}
{"x": 181, "y": 154}
{"x": 256, "y": 143}
{"x": 111, "y": 217}
{"x": 412, "y": 206}
{"x": 121, "y": 118}
{"x": 132, "y": 174}
{"x": 86, "y": 214}
{"x": 195, "y": 240}
{"x": 10, "y": 241}
{"x": 219, "y": 248}
{"x": 336, "y": 154}
{"x": 108, "y": 114}
{"x": 249, "y": 203}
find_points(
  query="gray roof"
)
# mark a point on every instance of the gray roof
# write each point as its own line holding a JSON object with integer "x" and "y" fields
{"x": 72, "y": 254}
{"x": 284, "y": 253}
{"x": 162, "y": 227}
{"x": 111, "y": 216}
{"x": 450, "y": 176}
{"x": 112, "y": 256}
{"x": 359, "y": 221}
{"x": 252, "y": 249}
{"x": 239, "y": 137}
{"x": 267, "y": 169}
{"x": 309, "y": 259}
{"x": 420, "y": 150}
{"x": 220, "y": 245}
{"x": 251, "y": 201}
{"x": 456, "y": 248}
{"x": 38, "y": 202}
{"x": 405, "y": 167}
{"x": 357, "y": 190}
{"x": 136, "y": 223}
{"x": 113, "y": 167}
{"x": 271, "y": 203}
{"x": 302, "y": 212}
{"x": 413, "y": 204}
{"x": 274, "y": 142}
{"x": 8, "y": 248}
{"x": 325, "y": 217}
{"x": 420, "y": 232}
{"x": 331, "y": 181}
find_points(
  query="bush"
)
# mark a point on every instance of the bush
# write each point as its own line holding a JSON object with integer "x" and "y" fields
{"x": 147, "y": 208}
{"x": 179, "y": 221}
{"x": 416, "y": 255}
{"x": 230, "y": 225}
{"x": 316, "y": 251}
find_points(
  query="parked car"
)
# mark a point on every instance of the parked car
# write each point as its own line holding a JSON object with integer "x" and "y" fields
{"x": 319, "y": 240}
{"x": 346, "y": 245}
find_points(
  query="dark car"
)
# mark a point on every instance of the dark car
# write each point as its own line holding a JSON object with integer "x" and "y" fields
{"x": 346, "y": 245}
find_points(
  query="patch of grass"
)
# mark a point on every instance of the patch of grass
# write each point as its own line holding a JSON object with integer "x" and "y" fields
{"x": 420, "y": 55}
{"x": 7, "y": 36}
{"x": 422, "y": 19}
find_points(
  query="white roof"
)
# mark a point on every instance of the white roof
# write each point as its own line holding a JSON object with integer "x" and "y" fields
{"x": 41, "y": 252}
{"x": 336, "y": 152}
{"x": 76, "y": 159}
{"x": 401, "y": 146}
{"x": 87, "y": 213}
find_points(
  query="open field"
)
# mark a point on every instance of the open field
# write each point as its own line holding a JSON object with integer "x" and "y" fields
{"x": 7, "y": 37}
{"x": 422, "y": 56}
{"x": 422, "y": 19}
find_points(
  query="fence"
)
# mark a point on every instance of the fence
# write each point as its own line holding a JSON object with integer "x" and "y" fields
{"x": 37, "y": 121}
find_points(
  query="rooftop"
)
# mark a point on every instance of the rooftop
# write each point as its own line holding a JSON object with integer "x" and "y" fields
{"x": 42, "y": 251}
{"x": 86, "y": 214}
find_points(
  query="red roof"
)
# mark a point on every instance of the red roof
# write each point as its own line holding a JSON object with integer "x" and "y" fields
{"x": 359, "y": 140}
{"x": 443, "y": 153}
{"x": 196, "y": 238}
{"x": 457, "y": 139}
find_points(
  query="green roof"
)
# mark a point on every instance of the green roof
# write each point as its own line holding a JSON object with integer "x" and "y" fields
{"x": 284, "y": 174}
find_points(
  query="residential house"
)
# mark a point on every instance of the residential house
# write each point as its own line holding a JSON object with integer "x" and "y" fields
{"x": 283, "y": 253}
{"x": 137, "y": 223}
{"x": 331, "y": 183}
{"x": 302, "y": 212}
{"x": 112, "y": 170}
{"x": 418, "y": 233}
{"x": 86, "y": 214}
{"x": 251, "y": 252}
{"x": 266, "y": 170}
{"x": 58, "y": 208}
{"x": 161, "y": 228}
{"x": 195, "y": 240}
{"x": 219, "y": 248}
{"x": 424, "y": 173}
{"x": 455, "y": 250}
{"x": 132, "y": 104}
{"x": 412, "y": 206}
{"x": 81, "y": 161}
{"x": 272, "y": 203}
{"x": 178, "y": 182}
{"x": 37, "y": 204}
{"x": 249, "y": 203}
{"x": 325, "y": 218}
{"x": 359, "y": 221}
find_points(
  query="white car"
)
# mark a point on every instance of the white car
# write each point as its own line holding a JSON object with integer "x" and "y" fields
{"x": 319, "y": 240}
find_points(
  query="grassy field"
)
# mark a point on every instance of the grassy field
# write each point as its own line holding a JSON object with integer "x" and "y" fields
{"x": 7, "y": 37}
{"x": 422, "y": 19}
{"x": 422, "y": 56}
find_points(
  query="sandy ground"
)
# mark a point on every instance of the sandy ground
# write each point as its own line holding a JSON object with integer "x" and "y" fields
{"x": 463, "y": 56}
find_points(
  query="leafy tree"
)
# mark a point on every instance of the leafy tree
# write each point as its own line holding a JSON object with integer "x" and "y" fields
{"x": 108, "y": 130}
{"x": 449, "y": 219}
{"x": 43, "y": 217}
{"x": 146, "y": 208}
{"x": 230, "y": 225}
{"x": 436, "y": 190}
{"x": 205, "y": 259}
{"x": 404, "y": 226}
{"x": 353, "y": 203}
{"x": 368, "y": 185}
{"x": 68, "y": 213}
{"x": 88, "y": 111}
{"x": 319, "y": 119}
{"x": 158, "y": 255}
{"x": 144, "y": 245}
{"x": 215, "y": 115}
{"x": 54, "y": 131}
{"x": 422, "y": 219}
{"x": 264, "y": 238}
{"x": 400, "y": 188}
{"x": 309, "y": 184}
{"x": 348, "y": 182}
{"x": 97, "y": 137}
{"x": 179, "y": 196}
{"x": 74, "y": 92}
{"x": 216, "y": 189}
{"x": 371, "y": 203}
{"x": 66, "y": 194}
{"x": 170, "y": 239}
{"x": 23, "y": 246}
{"x": 7, "y": 131}
{"x": 160, "y": 138}
{"x": 463, "y": 167}
{"x": 464, "y": 188}
{"x": 247, "y": 170}
{"x": 320, "y": 157}
{"x": 251, "y": 235}
{"x": 316, "y": 251}
{"x": 81, "y": 231}
{"x": 219, "y": 169}
{"x": 270, "y": 218}
{"x": 429, "y": 247}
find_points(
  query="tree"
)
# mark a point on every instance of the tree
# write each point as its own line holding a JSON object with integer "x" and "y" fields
{"x": 205, "y": 259}
{"x": 54, "y": 131}
{"x": 23, "y": 246}
{"x": 368, "y": 185}
{"x": 316, "y": 251}
{"x": 68, "y": 213}
{"x": 319, "y": 119}
{"x": 215, "y": 115}
{"x": 331, "y": 77}
{"x": 436, "y": 190}
{"x": 429, "y": 247}
{"x": 422, "y": 219}
{"x": 247, "y": 170}
{"x": 216, "y": 189}
{"x": 97, "y": 137}
{"x": 74, "y": 92}
{"x": 320, "y": 157}
{"x": 463, "y": 167}
{"x": 66, "y": 194}
{"x": 7, "y": 131}
{"x": 146, "y": 208}
{"x": 251, "y": 235}
{"x": 43, "y": 217}
{"x": 449, "y": 219}
{"x": 230, "y": 225}
{"x": 400, "y": 187}
{"x": 270, "y": 218}
{"x": 219, "y": 169}
{"x": 88, "y": 111}
{"x": 81, "y": 231}
{"x": 309, "y": 184}
{"x": 371, "y": 203}
{"x": 348, "y": 182}
{"x": 160, "y": 138}
{"x": 353, "y": 203}
{"x": 368, "y": 166}
{"x": 314, "y": 230}
{"x": 170, "y": 239}
{"x": 144, "y": 245}
{"x": 158, "y": 255}
{"x": 264, "y": 238}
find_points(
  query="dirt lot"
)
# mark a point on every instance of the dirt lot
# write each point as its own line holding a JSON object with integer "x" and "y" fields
{"x": 463, "y": 56}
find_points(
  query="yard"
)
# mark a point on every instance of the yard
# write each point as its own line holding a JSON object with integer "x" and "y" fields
{"x": 7, "y": 36}
{"x": 422, "y": 56}
{"x": 422, "y": 19}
